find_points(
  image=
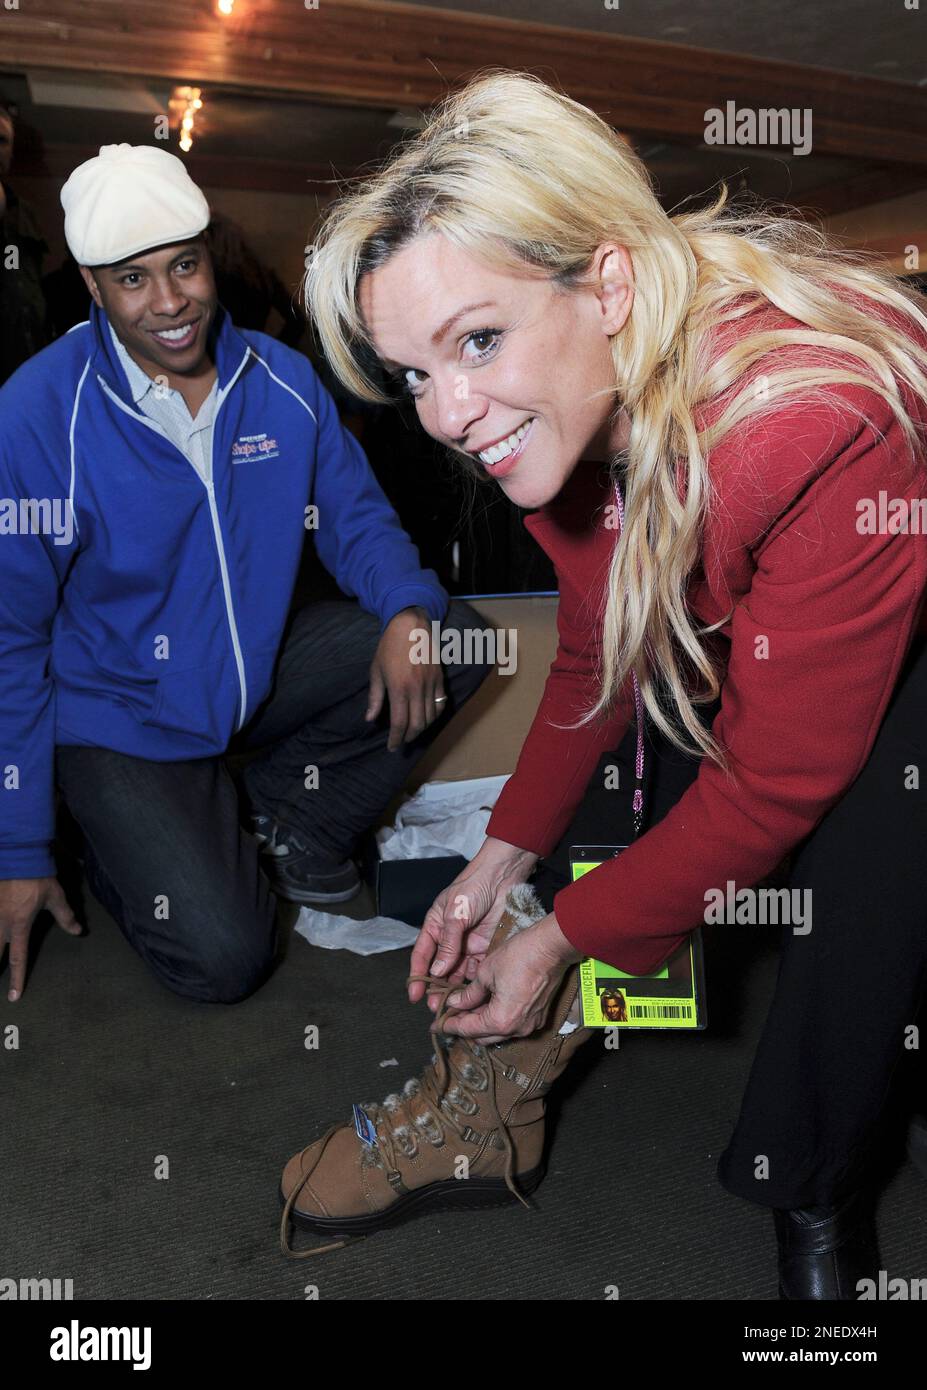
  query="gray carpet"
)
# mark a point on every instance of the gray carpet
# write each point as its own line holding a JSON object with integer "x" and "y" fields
{"x": 112, "y": 1071}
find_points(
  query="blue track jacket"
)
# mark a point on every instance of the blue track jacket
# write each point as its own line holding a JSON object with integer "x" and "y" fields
{"x": 142, "y": 609}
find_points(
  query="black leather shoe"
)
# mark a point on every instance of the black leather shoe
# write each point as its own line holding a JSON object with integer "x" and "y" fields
{"x": 825, "y": 1251}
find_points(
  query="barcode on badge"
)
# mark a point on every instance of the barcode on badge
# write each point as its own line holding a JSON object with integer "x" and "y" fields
{"x": 660, "y": 1011}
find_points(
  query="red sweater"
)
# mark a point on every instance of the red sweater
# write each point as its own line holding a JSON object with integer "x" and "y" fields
{"x": 781, "y": 546}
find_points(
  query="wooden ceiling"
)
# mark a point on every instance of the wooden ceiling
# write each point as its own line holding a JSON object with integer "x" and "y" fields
{"x": 373, "y": 53}
{"x": 297, "y": 95}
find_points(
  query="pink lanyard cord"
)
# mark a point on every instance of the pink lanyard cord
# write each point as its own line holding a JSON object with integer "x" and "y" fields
{"x": 638, "y": 803}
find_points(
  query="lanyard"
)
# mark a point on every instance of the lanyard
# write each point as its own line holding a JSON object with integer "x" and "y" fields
{"x": 638, "y": 803}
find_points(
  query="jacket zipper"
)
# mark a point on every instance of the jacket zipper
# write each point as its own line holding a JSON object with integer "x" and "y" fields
{"x": 214, "y": 514}
{"x": 227, "y": 590}
{"x": 220, "y": 547}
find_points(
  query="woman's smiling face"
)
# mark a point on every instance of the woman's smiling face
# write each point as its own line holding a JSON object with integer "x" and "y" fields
{"x": 506, "y": 368}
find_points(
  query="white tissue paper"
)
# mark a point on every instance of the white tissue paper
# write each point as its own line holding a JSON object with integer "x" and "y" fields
{"x": 441, "y": 818}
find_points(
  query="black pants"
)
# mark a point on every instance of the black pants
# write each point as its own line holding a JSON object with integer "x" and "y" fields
{"x": 848, "y": 989}
{"x": 165, "y": 850}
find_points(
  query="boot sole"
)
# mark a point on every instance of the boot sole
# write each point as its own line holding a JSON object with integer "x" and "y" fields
{"x": 453, "y": 1194}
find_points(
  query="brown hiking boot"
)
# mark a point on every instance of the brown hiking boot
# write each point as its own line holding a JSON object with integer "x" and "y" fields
{"x": 458, "y": 1136}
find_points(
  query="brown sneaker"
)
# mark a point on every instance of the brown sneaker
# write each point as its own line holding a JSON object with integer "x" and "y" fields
{"x": 468, "y": 1133}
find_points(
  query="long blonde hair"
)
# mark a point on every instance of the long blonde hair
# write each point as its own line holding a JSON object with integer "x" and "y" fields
{"x": 520, "y": 176}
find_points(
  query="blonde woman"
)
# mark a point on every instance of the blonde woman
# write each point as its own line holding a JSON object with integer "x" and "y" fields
{"x": 718, "y": 423}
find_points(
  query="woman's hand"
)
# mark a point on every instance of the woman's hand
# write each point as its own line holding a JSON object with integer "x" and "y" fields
{"x": 460, "y": 923}
{"x": 415, "y": 689}
{"x": 511, "y": 993}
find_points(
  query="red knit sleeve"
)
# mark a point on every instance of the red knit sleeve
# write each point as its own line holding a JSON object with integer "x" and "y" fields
{"x": 538, "y": 801}
{"x": 817, "y": 645}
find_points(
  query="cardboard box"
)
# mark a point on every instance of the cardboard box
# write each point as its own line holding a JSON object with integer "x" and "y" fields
{"x": 483, "y": 740}
{"x": 485, "y": 737}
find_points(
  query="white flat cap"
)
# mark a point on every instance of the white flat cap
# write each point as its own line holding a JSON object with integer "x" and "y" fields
{"x": 128, "y": 199}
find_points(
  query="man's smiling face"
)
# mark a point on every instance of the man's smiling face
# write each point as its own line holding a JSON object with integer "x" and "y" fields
{"x": 161, "y": 305}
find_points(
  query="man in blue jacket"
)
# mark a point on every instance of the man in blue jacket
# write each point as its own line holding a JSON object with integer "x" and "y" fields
{"x": 159, "y": 470}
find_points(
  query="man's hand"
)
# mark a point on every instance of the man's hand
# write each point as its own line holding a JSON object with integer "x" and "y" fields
{"x": 415, "y": 689}
{"x": 21, "y": 899}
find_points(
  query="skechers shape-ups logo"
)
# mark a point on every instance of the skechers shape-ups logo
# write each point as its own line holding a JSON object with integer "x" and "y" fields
{"x": 256, "y": 448}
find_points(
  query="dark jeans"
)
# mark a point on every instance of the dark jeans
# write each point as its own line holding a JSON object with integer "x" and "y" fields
{"x": 164, "y": 848}
{"x": 848, "y": 989}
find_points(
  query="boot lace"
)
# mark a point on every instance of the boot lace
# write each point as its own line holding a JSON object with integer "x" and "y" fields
{"x": 444, "y": 1094}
